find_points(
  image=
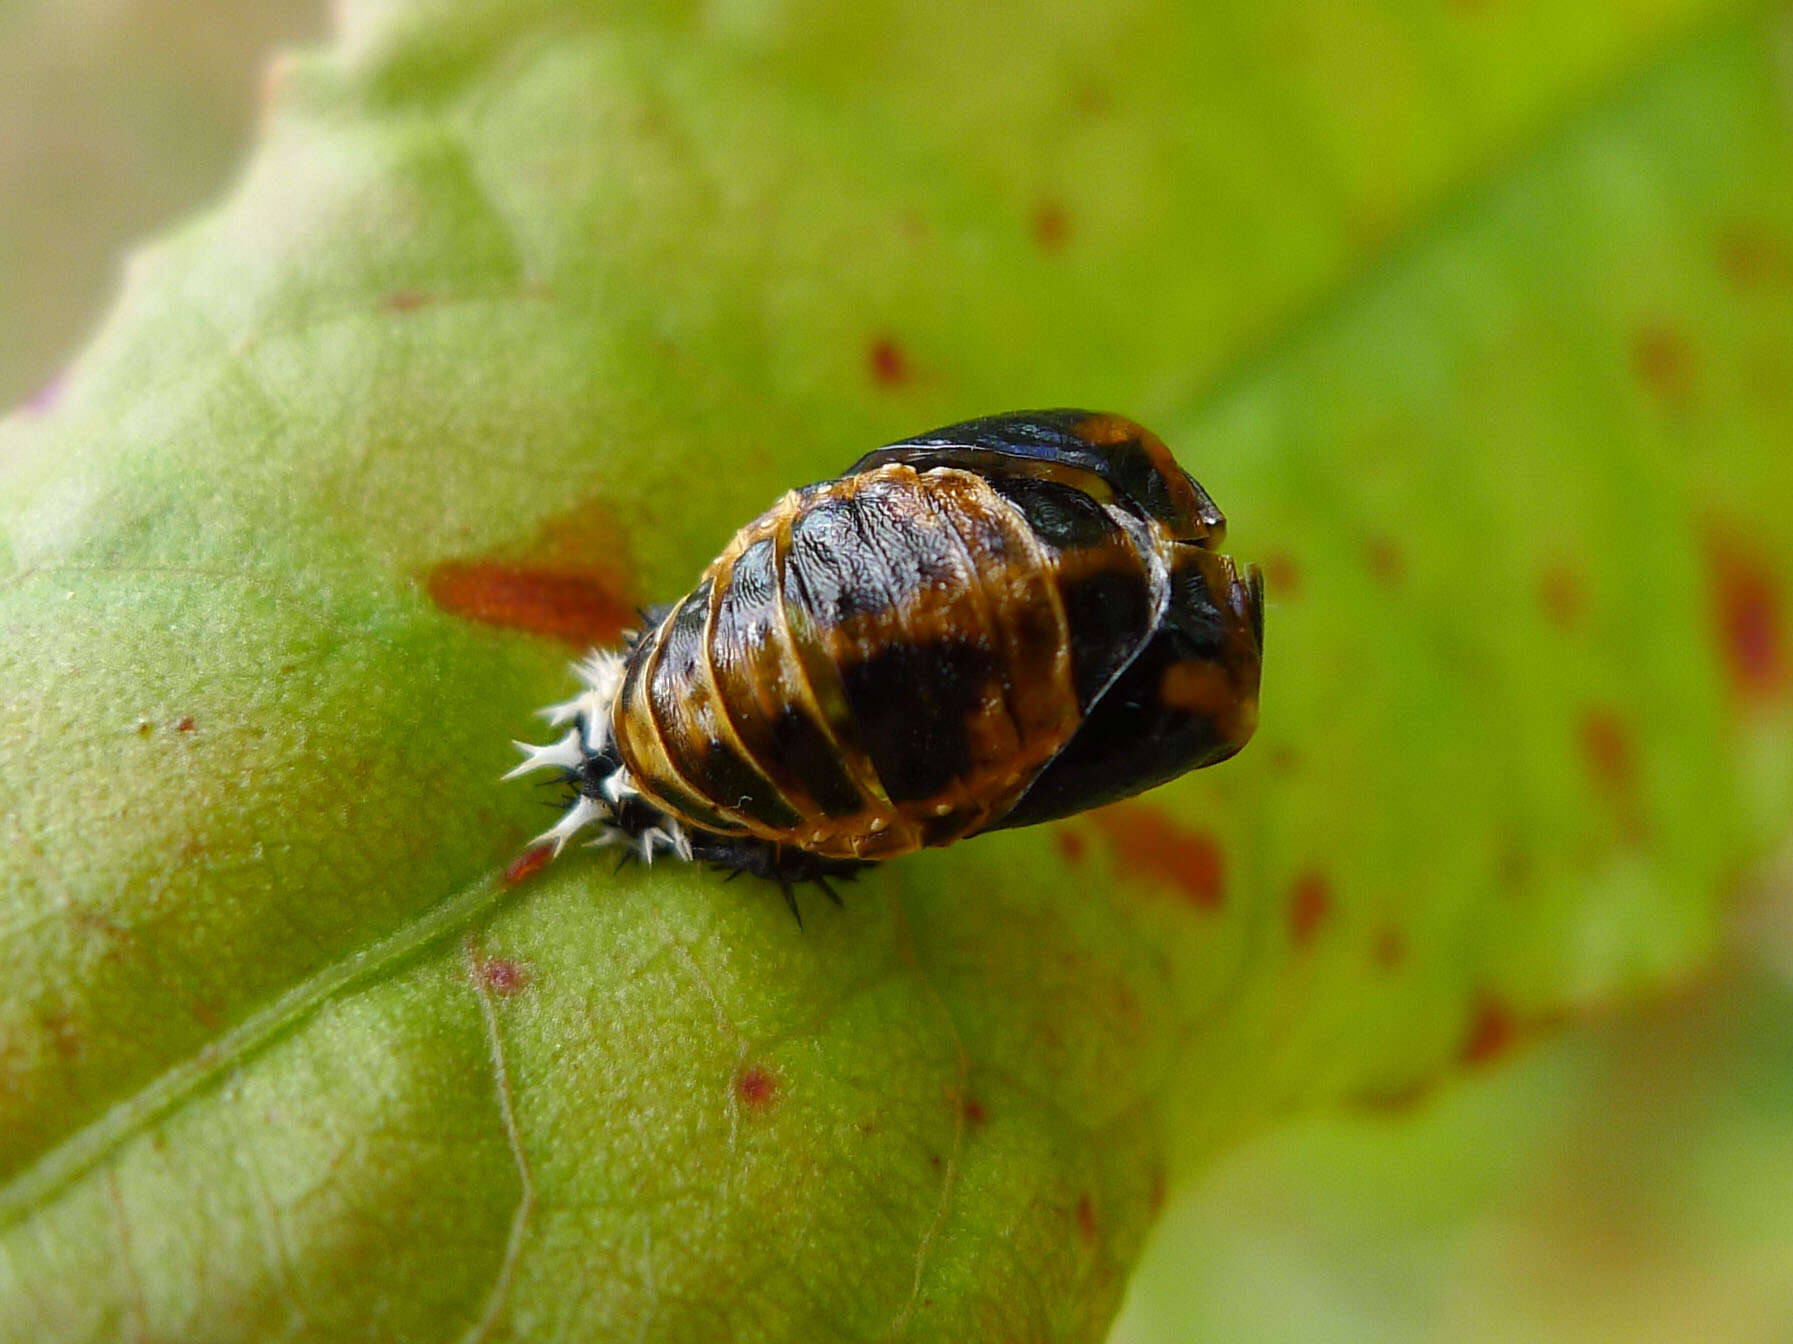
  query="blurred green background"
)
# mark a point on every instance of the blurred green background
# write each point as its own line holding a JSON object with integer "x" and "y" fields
{"x": 116, "y": 117}
{"x": 1626, "y": 1178}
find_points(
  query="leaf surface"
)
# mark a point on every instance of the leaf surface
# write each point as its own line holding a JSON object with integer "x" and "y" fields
{"x": 520, "y": 309}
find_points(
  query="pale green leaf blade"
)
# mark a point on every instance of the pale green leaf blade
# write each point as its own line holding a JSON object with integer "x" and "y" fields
{"x": 517, "y": 313}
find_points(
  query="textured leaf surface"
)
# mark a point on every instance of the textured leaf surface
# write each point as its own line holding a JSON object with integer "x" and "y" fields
{"x": 1473, "y": 321}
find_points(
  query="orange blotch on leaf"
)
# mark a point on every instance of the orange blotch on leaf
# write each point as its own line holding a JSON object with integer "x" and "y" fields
{"x": 1561, "y": 594}
{"x": 1385, "y": 561}
{"x": 1608, "y": 752}
{"x": 580, "y": 608}
{"x": 1070, "y": 844}
{"x": 1146, "y": 841}
{"x": 571, "y": 581}
{"x": 404, "y": 301}
{"x": 1086, "y": 1218}
{"x": 1750, "y": 256}
{"x": 1282, "y": 577}
{"x": 1390, "y": 948}
{"x": 527, "y": 864}
{"x": 1093, "y": 99}
{"x": 1310, "y": 900}
{"x": 1493, "y": 1030}
{"x": 1283, "y": 758}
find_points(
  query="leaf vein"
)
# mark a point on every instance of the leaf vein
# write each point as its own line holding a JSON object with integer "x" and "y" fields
{"x": 519, "y": 1228}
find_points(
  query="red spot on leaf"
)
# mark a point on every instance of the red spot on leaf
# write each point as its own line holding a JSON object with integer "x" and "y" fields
{"x": 1093, "y": 99}
{"x": 1310, "y": 899}
{"x": 1051, "y": 226}
{"x": 581, "y": 608}
{"x": 1148, "y": 842}
{"x": 1663, "y": 361}
{"x": 1750, "y": 256}
{"x": 1512, "y": 859}
{"x": 756, "y": 1087}
{"x": 404, "y": 300}
{"x": 1750, "y": 625}
{"x": 1386, "y": 563}
{"x": 886, "y": 362}
{"x": 1607, "y": 749}
{"x": 1561, "y": 594}
{"x": 185, "y": 725}
{"x": 527, "y": 864}
{"x": 1389, "y": 949}
{"x": 65, "y": 1037}
{"x": 1086, "y": 1218}
{"x": 1282, "y": 577}
{"x": 973, "y": 1111}
{"x": 1492, "y": 1033}
{"x": 1070, "y": 843}
{"x": 503, "y": 976}
{"x": 1398, "y": 1099}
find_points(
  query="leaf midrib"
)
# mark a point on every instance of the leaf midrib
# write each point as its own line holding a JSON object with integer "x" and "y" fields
{"x": 58, "y": 1166}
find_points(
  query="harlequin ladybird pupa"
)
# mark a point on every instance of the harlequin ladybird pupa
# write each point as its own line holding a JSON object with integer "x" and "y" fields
{"x": 993, "y": 624}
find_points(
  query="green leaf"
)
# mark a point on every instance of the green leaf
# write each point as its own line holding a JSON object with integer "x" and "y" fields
{"x": 1472, "y": 319}
{"x": 1619, "y": 1182}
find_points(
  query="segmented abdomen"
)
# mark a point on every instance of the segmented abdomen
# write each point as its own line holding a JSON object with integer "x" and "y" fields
{"x": 885, "y": 661}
